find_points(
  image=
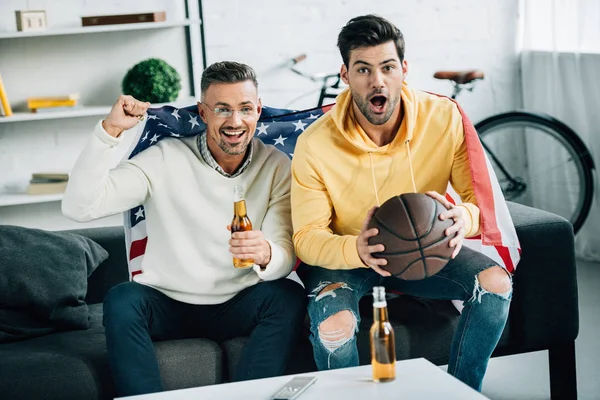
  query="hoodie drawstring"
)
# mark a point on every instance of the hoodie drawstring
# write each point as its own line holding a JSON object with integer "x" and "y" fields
{"x": 412, "y": 175}
{"x": 374, "y": 182}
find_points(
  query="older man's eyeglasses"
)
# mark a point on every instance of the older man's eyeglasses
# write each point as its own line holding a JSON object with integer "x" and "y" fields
{"x": 223, "y": 112}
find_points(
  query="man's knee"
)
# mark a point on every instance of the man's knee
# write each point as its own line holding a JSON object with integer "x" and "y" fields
{"x": 495, "y": 280}
{"x": 337, "y": 330}
{"x": 123, "y": 300}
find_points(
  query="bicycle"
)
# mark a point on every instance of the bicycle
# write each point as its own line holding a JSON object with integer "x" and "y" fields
{"x": 518, "y": 179}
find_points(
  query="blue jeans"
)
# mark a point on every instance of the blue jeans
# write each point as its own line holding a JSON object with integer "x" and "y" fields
{"x": 270, "y": 313}
{"x": 481, "y": 324}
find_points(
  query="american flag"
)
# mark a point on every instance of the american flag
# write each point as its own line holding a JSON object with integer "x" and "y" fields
{"x": 276, "y": 126}
{"x": 281, "y": 128}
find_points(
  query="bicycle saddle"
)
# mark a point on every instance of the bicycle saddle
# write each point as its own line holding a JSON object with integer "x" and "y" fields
{"x": 460, "y": 77}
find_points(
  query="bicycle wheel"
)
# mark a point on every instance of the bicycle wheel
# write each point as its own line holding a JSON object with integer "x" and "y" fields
{"x": 540, "y": 162}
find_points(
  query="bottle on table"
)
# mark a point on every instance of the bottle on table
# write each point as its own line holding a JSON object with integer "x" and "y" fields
{"x": 383, "y": 346}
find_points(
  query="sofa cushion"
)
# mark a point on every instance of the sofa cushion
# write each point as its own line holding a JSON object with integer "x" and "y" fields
{"x": 74, "y": 365}
{"x": 43, "y": 281}
{"x": 114, "y": 269}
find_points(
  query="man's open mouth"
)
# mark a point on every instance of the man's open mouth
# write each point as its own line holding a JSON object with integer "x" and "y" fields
{"x": 233, "y": 135}
{"x": 378, "y": 103}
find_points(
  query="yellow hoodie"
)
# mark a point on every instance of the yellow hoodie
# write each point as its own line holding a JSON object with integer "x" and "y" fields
{"x": 339, "y": 173}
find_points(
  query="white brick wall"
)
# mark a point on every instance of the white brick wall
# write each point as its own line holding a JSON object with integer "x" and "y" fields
{"x": 439, "y": 34}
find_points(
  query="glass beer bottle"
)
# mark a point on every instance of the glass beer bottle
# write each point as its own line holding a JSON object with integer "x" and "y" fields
{"x": 383, "y": 347}
{"x": 240, "y": 222}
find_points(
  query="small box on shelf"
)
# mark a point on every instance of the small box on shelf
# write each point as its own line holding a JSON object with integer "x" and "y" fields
{"x": 31, "y": 20}
{"x": 123, "y": 19}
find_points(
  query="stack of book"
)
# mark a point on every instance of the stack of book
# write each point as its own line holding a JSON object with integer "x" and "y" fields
{"x": 47, "y": 183}
{"x": 52, "y": 103}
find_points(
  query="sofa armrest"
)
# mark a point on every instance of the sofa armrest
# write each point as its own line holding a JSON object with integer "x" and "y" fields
{"x": 114, "y": 269}
{"x": 544, "y": 309}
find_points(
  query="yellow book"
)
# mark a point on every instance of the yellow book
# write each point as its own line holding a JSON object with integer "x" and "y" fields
{"x": 4, "y": 100}
{"x": 73, "y": 96}
{"x": 50, "y": 103}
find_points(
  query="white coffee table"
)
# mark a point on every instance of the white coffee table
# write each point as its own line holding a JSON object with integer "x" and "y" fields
{"x": 415, "y": 379}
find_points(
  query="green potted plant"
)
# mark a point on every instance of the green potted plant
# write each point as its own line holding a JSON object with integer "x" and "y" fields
{"x": 152, "y": 80}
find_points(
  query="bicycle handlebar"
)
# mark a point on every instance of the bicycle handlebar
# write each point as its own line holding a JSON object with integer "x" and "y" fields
{"x": 322, "y": 77}
{"x": 298, "y": 58}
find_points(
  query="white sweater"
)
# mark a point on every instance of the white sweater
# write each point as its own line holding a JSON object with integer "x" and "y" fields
{"x": 188, "y": 207}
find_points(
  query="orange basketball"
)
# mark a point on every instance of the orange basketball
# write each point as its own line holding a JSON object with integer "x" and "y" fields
{"x": 416, "y": 246}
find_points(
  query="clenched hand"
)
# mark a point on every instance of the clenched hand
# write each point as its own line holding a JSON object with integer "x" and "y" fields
{"x": 458, "y": 215}
{"x": 364, "y": 250}
{"x": 124, "y": 115}
{"x": 250, "y": 245}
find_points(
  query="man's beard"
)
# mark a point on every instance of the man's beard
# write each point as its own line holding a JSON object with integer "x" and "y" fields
{"x": 233, "y": 150}
{"x": 365, "y": 109}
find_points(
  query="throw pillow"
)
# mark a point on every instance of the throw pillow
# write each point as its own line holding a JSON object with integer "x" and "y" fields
{"x": 43, "y": 281}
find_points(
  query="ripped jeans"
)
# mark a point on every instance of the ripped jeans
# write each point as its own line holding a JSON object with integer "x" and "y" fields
{"x": 481, "y": 324}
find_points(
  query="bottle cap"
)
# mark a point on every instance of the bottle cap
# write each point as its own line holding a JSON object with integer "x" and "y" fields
{"x": 379, "y": 297}
{"x": 238, "y": 193}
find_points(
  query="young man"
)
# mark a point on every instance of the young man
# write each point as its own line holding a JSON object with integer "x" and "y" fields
{"x": 189, "y": 286}
{"x": 381, "y": 139}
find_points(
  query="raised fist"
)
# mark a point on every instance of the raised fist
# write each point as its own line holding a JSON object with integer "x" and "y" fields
{"x": 125, "y": 114}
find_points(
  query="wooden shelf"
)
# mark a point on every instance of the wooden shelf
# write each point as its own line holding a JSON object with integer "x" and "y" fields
{"x": 80, "y": 111}
{"x": 101, "y": 28}
{"x": 15, "y": 199}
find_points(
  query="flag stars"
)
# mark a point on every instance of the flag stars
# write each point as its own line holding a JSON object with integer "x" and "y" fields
{"x": 299, "y": 125}
{"x": 194, "y": 121}
{"x": 145, "y": 136}
{"x": 279, "y": 140}
{"x": 154, "y": 138}
{"x": 175, "y": 113}
{"x": 139, "y": 214}
{"x": 262, "y": 129}
{"x": 313, "y": 116}
{"x": 152, "y": 117}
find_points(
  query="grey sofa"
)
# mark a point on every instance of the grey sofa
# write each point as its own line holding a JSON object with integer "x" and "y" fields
{"x": 544, "y": 315}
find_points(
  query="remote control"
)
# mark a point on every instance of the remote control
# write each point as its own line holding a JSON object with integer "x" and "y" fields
{"x": 294, "y": 388}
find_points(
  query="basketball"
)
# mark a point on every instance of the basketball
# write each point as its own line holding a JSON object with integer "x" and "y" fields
{"x": 416, "y": 246}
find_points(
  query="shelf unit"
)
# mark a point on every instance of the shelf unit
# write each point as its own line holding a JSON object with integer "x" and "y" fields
{"x": 196, "y": 56}
{"x": 100, "y": 28}
{"x": 13, "y": 199}
{"x": 80, "y": 112}
{"x": 17, "y": 199}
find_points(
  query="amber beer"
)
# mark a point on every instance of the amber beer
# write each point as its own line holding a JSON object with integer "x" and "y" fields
{"x": 383, "y": 346}
{"x": 240, "y": 222}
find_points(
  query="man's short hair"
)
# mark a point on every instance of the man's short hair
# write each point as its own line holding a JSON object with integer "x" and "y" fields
{"x": 227, "y": 72}
{"x": 366, "y": 31}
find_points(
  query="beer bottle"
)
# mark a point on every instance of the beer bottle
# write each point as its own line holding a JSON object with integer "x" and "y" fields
{"x": 240, "y": 222}
{"x": 383, "y": 347}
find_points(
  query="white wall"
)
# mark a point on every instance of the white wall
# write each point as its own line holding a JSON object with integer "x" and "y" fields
{"x": 439, "y": 34}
